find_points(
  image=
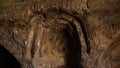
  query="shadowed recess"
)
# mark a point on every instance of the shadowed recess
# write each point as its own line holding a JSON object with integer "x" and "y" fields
{"x": 73, "y": 56}
{"x": 7, "y": 60}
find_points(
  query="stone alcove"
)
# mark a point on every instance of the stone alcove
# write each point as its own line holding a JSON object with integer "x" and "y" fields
{"x": 55, "y": 39}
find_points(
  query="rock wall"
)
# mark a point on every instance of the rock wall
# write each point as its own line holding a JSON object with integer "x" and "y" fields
{"x": 61, "y": 33}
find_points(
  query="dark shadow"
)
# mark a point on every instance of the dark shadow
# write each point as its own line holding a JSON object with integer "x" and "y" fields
{"x": 73, "y": 55}
{"x": 82, "y": 26}
{"x": 7, "y": 60}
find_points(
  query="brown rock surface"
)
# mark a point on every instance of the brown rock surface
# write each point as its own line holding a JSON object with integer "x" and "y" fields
{"x": 60, "y": 33}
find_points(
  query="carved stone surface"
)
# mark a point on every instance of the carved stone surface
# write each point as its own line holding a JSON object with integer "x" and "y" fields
{"x": 54, "y": 37}
{"x": 61, "y": 33}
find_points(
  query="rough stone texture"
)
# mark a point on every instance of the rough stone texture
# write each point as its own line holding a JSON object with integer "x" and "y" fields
{"x": 62, "y": 33}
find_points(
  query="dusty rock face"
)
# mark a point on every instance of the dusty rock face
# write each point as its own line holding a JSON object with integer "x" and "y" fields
{"x": 61, "y": 33}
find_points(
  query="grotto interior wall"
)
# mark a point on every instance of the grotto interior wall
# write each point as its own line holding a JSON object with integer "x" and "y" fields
{"x": 60, "y": 33}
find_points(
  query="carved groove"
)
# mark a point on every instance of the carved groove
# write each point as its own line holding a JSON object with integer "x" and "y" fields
{"x": 111, "y": 52}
